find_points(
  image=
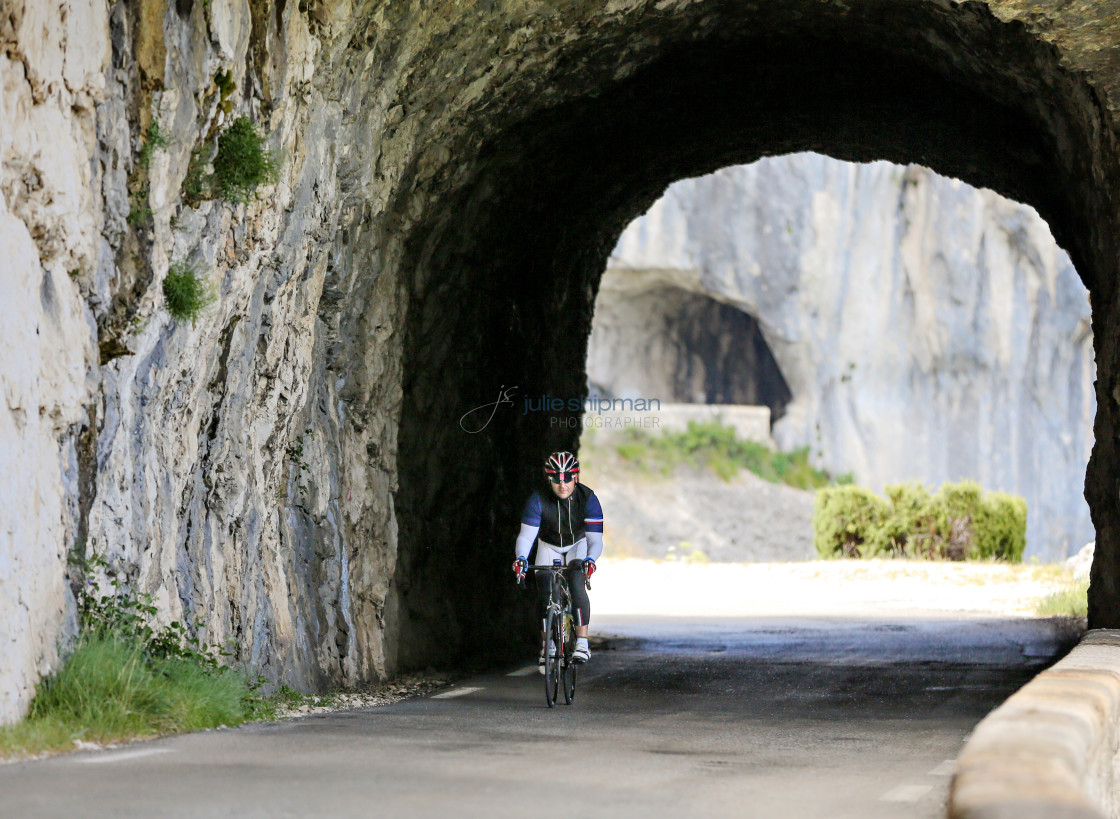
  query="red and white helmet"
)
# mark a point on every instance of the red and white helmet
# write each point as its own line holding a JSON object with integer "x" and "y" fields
{"x": 561, "y": 467}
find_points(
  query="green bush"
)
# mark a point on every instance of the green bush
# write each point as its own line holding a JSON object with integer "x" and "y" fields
{"x": 243, "y": 163}
{"x": 718, "y": 448}
{"x": 186, "y": 292}
{"x": 956, "y": 523}
{"x": 850, "y": 518}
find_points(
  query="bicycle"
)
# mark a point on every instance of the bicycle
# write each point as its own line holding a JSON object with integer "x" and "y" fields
{"x": 560, "y": 633}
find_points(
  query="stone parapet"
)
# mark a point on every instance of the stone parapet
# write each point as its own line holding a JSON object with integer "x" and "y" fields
{"x": 1051, "y": 749}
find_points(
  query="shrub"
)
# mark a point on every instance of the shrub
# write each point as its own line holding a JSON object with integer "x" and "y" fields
{"x": 718, "y": 448}
{"x": 185, "y": 292}
{"x": 1003, "y": 528}
{"x": 848, "y": 521}
{"x": 958, "y": 522}
{"x": 242, "y": 162}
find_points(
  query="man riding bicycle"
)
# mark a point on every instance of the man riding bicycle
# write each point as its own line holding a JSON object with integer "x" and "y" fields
{"x": 569, "y": 528}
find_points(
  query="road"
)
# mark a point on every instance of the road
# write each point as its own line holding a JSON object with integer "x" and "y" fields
{"x": 766, "y": 717}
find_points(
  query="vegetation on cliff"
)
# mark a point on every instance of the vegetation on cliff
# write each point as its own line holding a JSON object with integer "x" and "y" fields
{"x": 717, "y": 447}
{"x": 185, "y": 292}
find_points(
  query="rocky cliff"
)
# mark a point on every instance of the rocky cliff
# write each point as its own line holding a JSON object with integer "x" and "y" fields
{"x": 287, "y": 471}
{"x": 927, "y": 330}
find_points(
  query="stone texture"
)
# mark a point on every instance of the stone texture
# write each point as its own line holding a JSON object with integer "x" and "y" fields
{"x": 51, "y": 76}
{"x": 1051, "y": 749}
{"x": 287, "y": 470}
{"x": 928, "y": 331}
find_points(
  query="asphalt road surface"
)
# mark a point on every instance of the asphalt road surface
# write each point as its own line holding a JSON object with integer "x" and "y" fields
{"x": 789, "y": 717}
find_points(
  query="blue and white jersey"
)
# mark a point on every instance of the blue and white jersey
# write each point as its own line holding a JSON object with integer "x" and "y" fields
{"x": 562, "y": 523}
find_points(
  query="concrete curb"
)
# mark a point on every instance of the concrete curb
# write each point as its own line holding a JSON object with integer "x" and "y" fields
{"x": 1051, "y": 750}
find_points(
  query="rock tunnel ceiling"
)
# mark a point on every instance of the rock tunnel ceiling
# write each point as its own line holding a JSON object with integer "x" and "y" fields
{"x": 289, "y": 469}
{"x": 550, "y": 195}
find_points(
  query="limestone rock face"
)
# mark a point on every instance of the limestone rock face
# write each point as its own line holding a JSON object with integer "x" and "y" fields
{"x": 53, "y": 60}
{"x": 287, "y": 471}
{"x": 927, "y": 330}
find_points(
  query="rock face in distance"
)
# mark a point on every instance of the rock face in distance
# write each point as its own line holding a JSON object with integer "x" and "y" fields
{"x": 927, "y": 330}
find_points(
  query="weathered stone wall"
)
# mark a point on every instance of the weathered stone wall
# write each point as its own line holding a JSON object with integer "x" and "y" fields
{"x": 931, "y": 331}
{"x": 288, "y": 470}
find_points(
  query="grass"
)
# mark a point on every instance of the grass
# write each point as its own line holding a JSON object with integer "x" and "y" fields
{"x": 718, "y": 448}
{"x": 186, "y": 292}
{"x": 1072, "y": 600}
{"x": 110, "y": 689}
{"x": 127, "y": 679}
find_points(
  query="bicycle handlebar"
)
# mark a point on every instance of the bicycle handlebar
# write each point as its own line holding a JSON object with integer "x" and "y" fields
{"x": 561, "y": 568}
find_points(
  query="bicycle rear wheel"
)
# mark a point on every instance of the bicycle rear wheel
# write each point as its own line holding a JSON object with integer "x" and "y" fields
{"x": 551, "y": 659}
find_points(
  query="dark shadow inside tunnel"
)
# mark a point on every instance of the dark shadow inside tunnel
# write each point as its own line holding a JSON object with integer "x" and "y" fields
{"x": 507, "y": 264}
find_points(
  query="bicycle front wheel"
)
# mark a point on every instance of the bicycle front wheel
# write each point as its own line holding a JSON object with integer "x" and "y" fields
{"x": 568, "y": 671}
{"x": 552, "y": 658}
{"x": 570, "y": 682}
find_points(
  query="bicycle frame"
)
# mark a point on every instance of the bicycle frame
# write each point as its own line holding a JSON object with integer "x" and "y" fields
{"x": 559, "y": 629}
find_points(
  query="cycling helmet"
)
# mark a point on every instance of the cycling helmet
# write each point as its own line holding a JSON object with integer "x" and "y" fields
{"x": 561, "y": 467}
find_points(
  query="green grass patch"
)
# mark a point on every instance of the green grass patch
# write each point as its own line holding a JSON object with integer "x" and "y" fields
{"x": 1071, "y": 601}
{"x": 243, "y": 162}
{"x": 717, "y": 447}
{"x": 960, "y": 521}
{"x": 111, "y": 689}
{"x": 126, "y": 678}
{"x": 186, "y": 292}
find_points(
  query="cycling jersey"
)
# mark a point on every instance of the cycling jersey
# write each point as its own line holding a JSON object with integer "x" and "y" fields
{"x": 569, "y": 529}
{"x": 562, "y": 523}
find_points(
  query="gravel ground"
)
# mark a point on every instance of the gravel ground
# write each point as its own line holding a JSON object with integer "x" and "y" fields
{"x": 693, "y": 511}
{"x": 403, "y": 687}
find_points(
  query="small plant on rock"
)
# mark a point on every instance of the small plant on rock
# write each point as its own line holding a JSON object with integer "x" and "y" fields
{"x": 153, "y": 141}
{"x": 242, "y": 163}
{"x": 186, "y": 292}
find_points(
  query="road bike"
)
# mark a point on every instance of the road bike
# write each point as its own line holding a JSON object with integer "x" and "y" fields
{"x": 559, "y": 636}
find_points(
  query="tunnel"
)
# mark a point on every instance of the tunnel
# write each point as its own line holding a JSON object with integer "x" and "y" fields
{"x": 685, "y": 348}
{"x": 504, "y": 252}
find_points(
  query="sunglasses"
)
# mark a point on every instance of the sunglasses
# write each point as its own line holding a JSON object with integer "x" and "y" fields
{"x": 562, "y": 477}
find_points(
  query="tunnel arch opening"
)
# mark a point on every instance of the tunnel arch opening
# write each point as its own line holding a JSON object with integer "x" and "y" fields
{"x": 681, "y": 347}
{"x": 506, "y": 262}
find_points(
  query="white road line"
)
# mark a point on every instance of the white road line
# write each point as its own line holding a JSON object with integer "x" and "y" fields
{"x": 958, "y": 687}
{"x": 101, "y": 759}
{"x": 946, "y": 768}
{"x": 454, "y": 692}
{"x": 522, "y": 672}
{"x": 906, "y": 793}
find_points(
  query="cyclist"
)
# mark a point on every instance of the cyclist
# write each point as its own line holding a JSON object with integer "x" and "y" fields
{"x": 568, "y": 527}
